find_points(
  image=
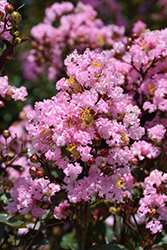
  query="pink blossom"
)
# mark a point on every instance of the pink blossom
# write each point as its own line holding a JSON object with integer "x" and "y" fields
{"x": 62, "y": 211}
{"x": 157, "y": 132}
{"x": 29, "y": 195}
{"x": 139, "y": 27}
{"x": 16, "y": 93}
{"x": 154, "y": 226}
{"x": 143, "y": 149}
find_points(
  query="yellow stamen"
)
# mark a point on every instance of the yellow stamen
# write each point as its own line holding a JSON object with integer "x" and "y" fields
{"x": 119, "y": 183}
{"x": 70, "y": 80}
{"x": 70, "y": 122}
{"x": 143, "y": 45}
{"x": 71, "y": 147}
{"x": 152, "y": 87}
{"x": 43, "y": 131}
{"x": 96, "y": 64}
{"x": 87, "y": 118}
{"x": 153, "y": 210}
{"x": 124, "y": 138}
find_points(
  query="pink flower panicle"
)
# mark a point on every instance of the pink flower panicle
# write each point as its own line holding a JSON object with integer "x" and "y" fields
{"x": 77, "y": 28}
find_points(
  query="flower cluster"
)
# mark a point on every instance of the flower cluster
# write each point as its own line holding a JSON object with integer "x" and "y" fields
{"x": 31, "y": 195}
{"x": 65, "y": 28}
{"x": 98, "y": 125}
{"x": 153, "y": 208}
{"x": 83, "y": 119}
{"x": 104, "y": 131}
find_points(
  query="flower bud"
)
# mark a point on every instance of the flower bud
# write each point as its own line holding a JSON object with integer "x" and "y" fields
{"x": 107, "y": 170}
{"x": 97, "y": 141}
{"x": 2, "y": 105}
{"x": 8, "y": 95}
{"x": 2, "y": 16}
{"x": 134, "y": 161}
{"x": 150, "y": 240}
{"x": 129, "y": 40}
{"x": 145, "y": 234}
{"x": 9, "y": 9}
{"x": 43, "y": 158}
{"x": 24, "y": 138}
{"x": 119, "y": 211}
{"x": 34, "y": 44}
{"x": 112, "y": 210}
{"x": 104, "y": 152}
{"x": 34, "y": 158}
{"x": 15, "y": 18}
{"x": 39, "y": 174}
{"x": 127, "y": 208}
{"x": 91, "y": 162}
{"x": 6, "y": 134}
{"x": 11, "y": 155}
{"x": 15, "y": 33}
{"x": 18, "y": 40}
{"x": 134, "y": 36}
{"x": 128, "y": 47}
{"x": 142, "y": 243}
{"x": 32, "y": 171}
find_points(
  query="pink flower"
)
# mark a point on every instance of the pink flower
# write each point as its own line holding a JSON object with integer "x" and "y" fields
{"x": 139, "y": 27}
{"x": 157, "y": 132}
{"x": 29, "y": 195}
{"x": 154, "y": 226}
{"x": 143, "y": 149}
{"x": 62, "y": 211}
{"x": 16, "y": 93}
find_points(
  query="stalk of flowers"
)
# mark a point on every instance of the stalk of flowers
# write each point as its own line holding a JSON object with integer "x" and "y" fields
{"x": 147, "y": 83}
{"x": 92, "y": 128}
{"x": 98, "y": 126}
{"x": 65, "y": 28}
{"x": 146, "y": 80}
{"x": 147, "y": 55}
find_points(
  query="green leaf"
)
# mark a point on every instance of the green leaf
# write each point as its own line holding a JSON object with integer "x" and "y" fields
{"x": 69, "y": 242}
{"x": 11, "y": 221}
{"x": 13, "y": 241}
{"x": 5, "y": 197}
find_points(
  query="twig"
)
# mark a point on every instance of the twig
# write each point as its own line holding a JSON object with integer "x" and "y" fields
{"x": 31, "y": 241}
